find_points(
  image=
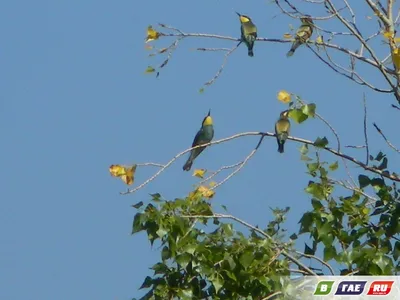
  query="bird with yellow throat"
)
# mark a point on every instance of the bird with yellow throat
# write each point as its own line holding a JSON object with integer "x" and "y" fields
{"x": 304, "y": 32}
{"x": 248, "y": 33}
{"x": 203, "y": 136}
{"x": 282, "y": 130}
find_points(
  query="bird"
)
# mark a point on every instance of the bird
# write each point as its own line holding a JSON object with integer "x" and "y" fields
{"x": 248, "y": 33}
{"x": 203, "y": 136}
{"x": 282, "y": 129}
{"x": 304, "y": 32}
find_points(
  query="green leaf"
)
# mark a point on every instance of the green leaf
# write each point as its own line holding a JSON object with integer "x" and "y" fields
{"x": 304, "y": 149}
{"x": 379, "y": 156}
{"x": 383, "y": 164}
{"x": 334, "y": 166}
{"x": 161, "y": 232}
{"x": 155, "y": 197}
{"x": 317, "y": 205}
{"x": 305, "y": 158}
{"x": 137, "y": 205}
{"x": 306, "y": 222}
{"x": 308, "y": 250}
{"x": 183, "y": 259}
{"x": 363, "y": 181}
{"x": 293, "y": 236}
{"x": 148, "y": 281}
{"x": 309, "y": 109}
{"x": 138, "y": 222}
{"x": 329, "y": 253}
{"x": 321, "y": 142}
{"x": 297, "y": 115}
{"x": 396, "y": 250}
{"x": 201, "y": 90}
{"x": 246, "y": 259}
{"x": 160, "y": 268}
{"x": 217, "y": 283}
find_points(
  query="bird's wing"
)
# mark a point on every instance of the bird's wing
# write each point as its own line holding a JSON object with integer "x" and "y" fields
{"x": 197, "y": 137}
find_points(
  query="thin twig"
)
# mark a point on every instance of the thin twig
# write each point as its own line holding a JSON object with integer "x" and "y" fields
{"x": 318, "y": 259}
{"x": 385, "y": 138}
{"x": 269, "y": 134}
{"x": 210, "y": 82}
{"x": 365, "y": 129}
{"x": 241, "y": 165}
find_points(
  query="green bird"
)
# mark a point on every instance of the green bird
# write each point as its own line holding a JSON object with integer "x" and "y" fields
{"x": 282, "y": 128}
{"x": 203, "y": 136}
{"x": 304, "y": 32}
{"x": 248, "y": 33}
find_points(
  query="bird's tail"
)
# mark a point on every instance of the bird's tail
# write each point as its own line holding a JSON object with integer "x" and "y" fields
{"x": 281, "y": 147}
{"x": 188, "y": 164}
{"x": 295, "y": 45}
{"x": 281, "y": 142}
{"x": 250, "y": 49}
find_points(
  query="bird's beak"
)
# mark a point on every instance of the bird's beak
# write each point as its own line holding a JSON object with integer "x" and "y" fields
{"x": 238, "y": 13}
{"x": 209, "y": 112}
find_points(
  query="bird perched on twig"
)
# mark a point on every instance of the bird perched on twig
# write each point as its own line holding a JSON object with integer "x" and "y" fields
{"x": 282, "y": 129}
{"x": 203, "y": 136}
{"x": 248, "y": 33}
{"x": 304, "y": 32}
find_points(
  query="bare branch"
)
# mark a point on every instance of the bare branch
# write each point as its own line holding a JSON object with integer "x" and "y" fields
{"x": 385, "y": 138}
{"x": 241, "y": 165}
{"x": 210, "y": 82}
{"x": 317, "y": 259}
{"x": 365, "y": 129}
{"x": 269, "y": 134}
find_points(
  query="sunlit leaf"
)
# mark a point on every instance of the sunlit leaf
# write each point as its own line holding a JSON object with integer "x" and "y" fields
{"x": 126, "y": 173}
{"x": 199, "y": 173}
{"x": 388, "y": 34}
{"x": 334, "y": 166}
{"x": 206, "y": 192}
{"x": 212, "y": 184}
{"x": 287, "y": 36}
{"x": 283, "y": 96}
{"x": 319, "y": 39}
{"x": 309, "y": 109}
{"x": 151, "y": 34}
{"x": 396, "y": 58}
{"x": 149, "y": 70}
{"x": 297, "y": 115}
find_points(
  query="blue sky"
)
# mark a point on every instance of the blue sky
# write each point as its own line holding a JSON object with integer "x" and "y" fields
{"x": 74, "y": 99}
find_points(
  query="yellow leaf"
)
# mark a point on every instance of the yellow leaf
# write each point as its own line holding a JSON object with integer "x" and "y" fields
{"x": 319, "y": 40}
{"x": 206, "y": 192}
{"x": 127, "y": 174}
{"x": 287, "y": 36}
{"x": 199, "y": 173}
{"x": 283, "y": 96}
{"x": 396, "y": 58}
{"x": 117, "y": 170}
{"x": 152, "y": 35}
{"x": 129, "y": 177}
{"x": 388, "y": 34}
{"x": 150, "y": 69}
{"x": 213, "y": 183}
